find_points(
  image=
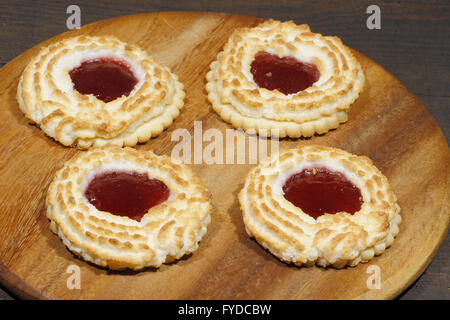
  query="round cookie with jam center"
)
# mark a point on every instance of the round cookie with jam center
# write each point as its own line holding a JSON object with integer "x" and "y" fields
{"x": 280, "y": 79}
{"x": 91, "y": 91}
{"x": 320, "y": 205}
{"x": 122, "y": 208}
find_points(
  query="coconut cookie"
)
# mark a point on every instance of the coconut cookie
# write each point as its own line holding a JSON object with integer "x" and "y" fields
{"x": 91, "y": 91}
{"x": 122, "y": 208}
{"x": 280, "y": 79}
{"x": 322, "y": 205}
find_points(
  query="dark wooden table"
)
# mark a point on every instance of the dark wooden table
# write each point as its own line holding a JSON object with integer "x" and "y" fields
{"x": 412, "y": 44}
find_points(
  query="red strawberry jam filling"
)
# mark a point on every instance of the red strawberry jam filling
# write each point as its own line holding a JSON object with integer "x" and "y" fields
{"x": 286, "y": 74}
{"x": 125, "y": 193}
{"x": 105, "y": 78}
{"x": 319, "y": 190}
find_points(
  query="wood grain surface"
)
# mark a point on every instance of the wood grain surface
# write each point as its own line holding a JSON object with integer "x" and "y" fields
{"x": 412, "y": 45}
{"x": 387, "y": 123}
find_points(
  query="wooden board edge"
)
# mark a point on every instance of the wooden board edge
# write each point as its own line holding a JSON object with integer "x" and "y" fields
{"x": 20, "y": 288}
{"x": 397, "y": 291}
{"x": 23, "y": 290}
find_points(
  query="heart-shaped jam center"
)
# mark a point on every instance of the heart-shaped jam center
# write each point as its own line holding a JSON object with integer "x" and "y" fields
{"x": 125, "y": 193}
{"x": 319, "y": 190}
{"x": 105, "y": 78}
{"x": 286, "y": 74}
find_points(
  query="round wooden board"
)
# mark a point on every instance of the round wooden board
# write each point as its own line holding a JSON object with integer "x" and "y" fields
{"x": 387, "y": 123}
